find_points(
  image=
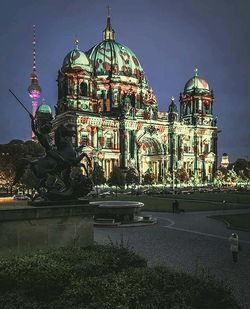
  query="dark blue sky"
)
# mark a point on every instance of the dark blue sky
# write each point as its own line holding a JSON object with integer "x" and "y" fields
{"x": 169, "y": 37}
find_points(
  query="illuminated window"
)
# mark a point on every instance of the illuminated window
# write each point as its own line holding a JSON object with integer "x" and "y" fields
{"x": 84, "y": 89}
{"x": 109, "y": 142}
{"x": 85, "y": 140}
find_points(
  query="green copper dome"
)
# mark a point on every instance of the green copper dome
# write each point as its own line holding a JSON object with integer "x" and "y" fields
{"x": 112, "y": 58}
{"x": 196, "y": 83}
{"x": 44, "y": 108}
{"x": 76, "y": 59}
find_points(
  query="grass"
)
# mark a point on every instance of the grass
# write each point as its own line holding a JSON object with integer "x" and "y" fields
{"x": 191, "y": 202}
{"x": 231, "y": 197}
{"x": 239, "y": 221}
{"x": 186, "y": 202}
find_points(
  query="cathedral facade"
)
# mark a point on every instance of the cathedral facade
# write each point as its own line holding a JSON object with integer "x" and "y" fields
{"x": 105, "y": 95}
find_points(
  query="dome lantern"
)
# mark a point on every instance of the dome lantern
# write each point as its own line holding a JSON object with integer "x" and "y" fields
{"x": 108, "y": 33}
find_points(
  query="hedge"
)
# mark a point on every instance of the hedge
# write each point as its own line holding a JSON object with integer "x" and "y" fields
{"x": 103, "y": 277}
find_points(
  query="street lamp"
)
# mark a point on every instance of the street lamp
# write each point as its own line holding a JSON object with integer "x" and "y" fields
{"x": 202, "y": 158}
{"x": 163, "y": 171}
{"x": 173, "y": 180}
{"x": 175, "y": 168}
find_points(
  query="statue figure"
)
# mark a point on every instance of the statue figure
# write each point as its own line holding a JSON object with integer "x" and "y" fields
{"x": 55, "y": 168}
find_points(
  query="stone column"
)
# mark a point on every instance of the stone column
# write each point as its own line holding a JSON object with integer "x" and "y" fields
{"x": 114, "y": 140}
{"x": 95, "y": 138}
{"x": 106, "y": 168}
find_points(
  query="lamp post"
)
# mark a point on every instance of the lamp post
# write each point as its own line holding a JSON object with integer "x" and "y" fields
{"x": 202, "y": 159}
{"x": 173, "y": 180}
{"x": 175, "y": 168}
{"x": 247, "y": 169}
{"x": 163, "y": 170}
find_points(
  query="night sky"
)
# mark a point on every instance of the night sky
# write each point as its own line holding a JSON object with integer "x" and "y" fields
{"x": 170, "y": 38}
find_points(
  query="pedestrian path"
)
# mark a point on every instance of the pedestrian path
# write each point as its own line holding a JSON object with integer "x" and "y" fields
{"x": 172, "y": 223}
{"x": 184, "y": 241}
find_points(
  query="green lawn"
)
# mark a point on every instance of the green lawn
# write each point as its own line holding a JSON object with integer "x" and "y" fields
{"x": 240, "y": 221}
{"x": 155, "y": 203}
{"x": 191, "y": 202}
{"x": 231, "y": 197}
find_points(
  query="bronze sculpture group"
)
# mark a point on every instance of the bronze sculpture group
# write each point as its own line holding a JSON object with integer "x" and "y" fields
{"x": 60, "y": 170}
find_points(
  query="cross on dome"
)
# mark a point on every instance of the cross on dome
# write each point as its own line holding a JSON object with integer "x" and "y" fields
{"x": 77, "y": 43}
{"x": 109, "y": 11}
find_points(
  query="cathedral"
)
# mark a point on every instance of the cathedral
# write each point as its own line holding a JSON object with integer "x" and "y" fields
{"x": 105, "y": 95}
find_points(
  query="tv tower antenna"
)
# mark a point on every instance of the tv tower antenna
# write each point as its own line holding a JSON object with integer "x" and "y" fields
{"x": 34, "y": 89}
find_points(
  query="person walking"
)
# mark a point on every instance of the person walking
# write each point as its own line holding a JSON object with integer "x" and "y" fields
{"x": 175, "y": 206}
{"x": 234, "y": 246}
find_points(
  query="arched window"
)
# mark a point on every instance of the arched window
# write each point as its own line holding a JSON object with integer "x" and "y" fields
{"x": 85, "y": 140}
{"x": 84, "y": 89}
{"x": 133, "y": 100}
{"x": 108, "y": 141}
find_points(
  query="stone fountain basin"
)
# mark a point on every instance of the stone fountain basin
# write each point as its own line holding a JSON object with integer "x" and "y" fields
{"x": 119, "y": 211}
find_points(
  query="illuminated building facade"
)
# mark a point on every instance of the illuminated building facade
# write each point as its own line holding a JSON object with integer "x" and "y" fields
{"x": 105, "y": 95}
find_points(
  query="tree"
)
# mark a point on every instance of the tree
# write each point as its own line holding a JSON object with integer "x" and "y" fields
{"x": 7, "y": 174}
{"x": 98, "y": 176}
{"x": 223, "y": 170}
{"x": 219, "y": 178}
{"x": 231, "y": 177}
{"x": 116, "y": 178}
{"x": 29, "y": 181}
{"x": 148, "y": 178}
{"x": 182, "y": 175}
{"x": 10, "y": 156}
{"x": 242, "y": 169}
{"x": 132, "y": 176}
{"x": 168, "y": 176}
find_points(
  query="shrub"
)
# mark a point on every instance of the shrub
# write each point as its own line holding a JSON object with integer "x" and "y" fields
{"x": 103, "y": 277}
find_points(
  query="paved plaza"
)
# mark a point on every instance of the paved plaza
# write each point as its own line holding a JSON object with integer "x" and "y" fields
{"x": 186, "y": 240}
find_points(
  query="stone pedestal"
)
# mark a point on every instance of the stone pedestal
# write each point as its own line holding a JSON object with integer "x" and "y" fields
{"x": 28, "y": 229}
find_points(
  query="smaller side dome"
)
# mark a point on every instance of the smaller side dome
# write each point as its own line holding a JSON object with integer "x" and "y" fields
{"x": 44, "y": 108}
{"x": 76, "y": 59}
{"x": 196, "y": 83}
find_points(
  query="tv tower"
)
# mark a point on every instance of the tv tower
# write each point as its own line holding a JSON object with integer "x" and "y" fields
{"x": 34, "y": 88}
